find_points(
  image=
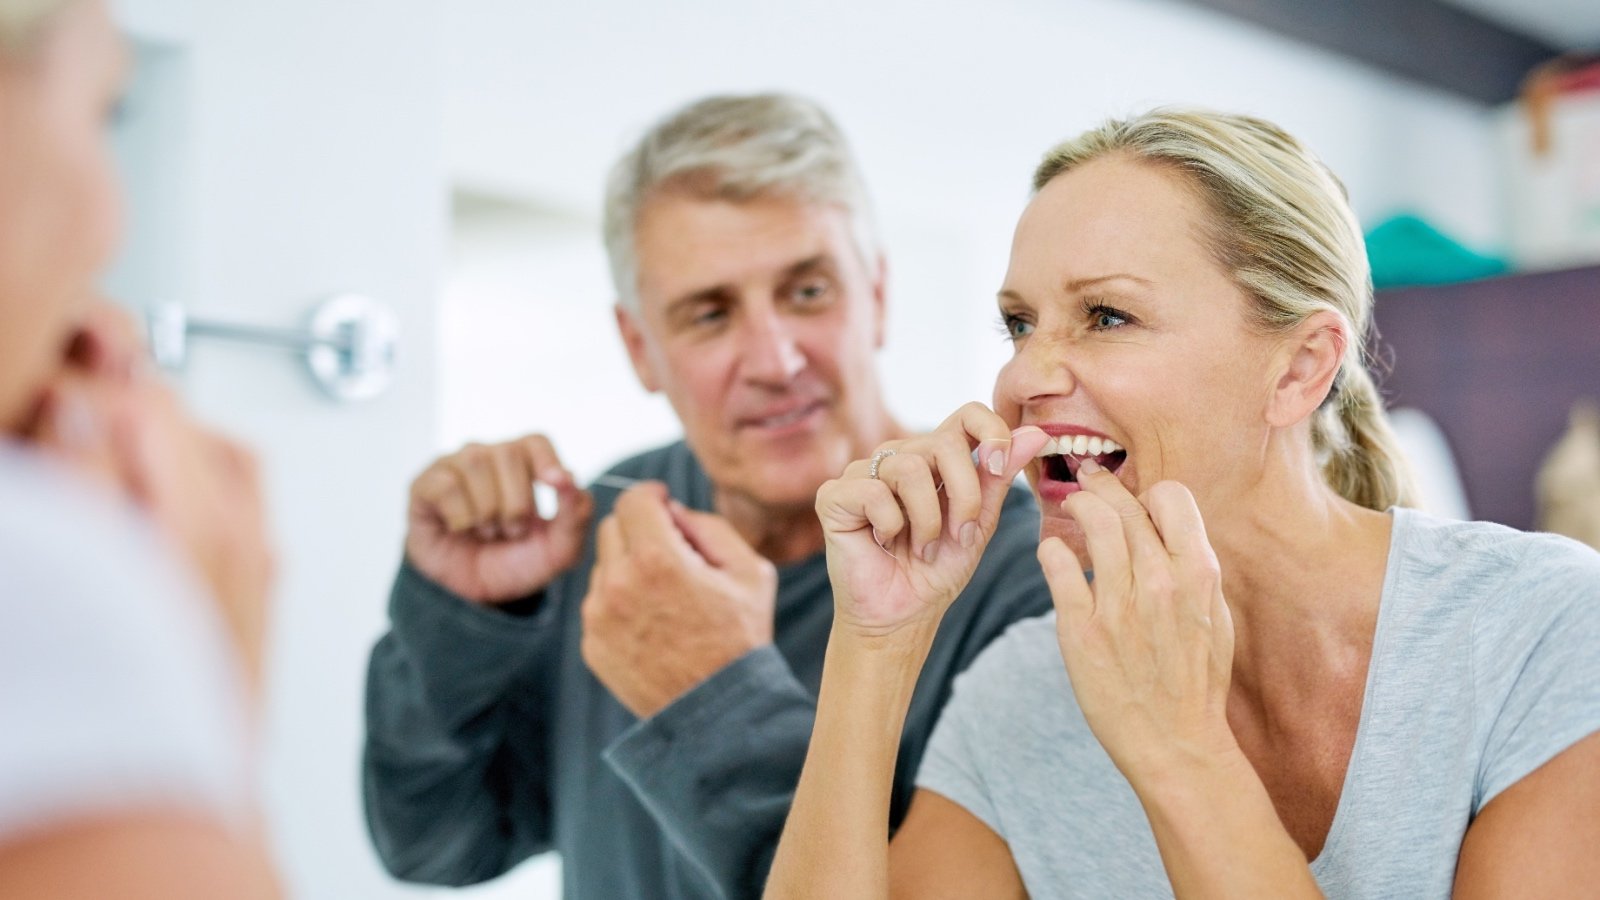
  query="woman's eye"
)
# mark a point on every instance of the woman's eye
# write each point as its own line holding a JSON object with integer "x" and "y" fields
{"x": 1015, "y": 327}
{"x": 1104, "y": 318}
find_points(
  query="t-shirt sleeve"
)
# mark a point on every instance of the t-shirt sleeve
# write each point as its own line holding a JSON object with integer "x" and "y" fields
{"x": 1537, "y": 664}
{"x": 955, "y": 761}
{"x": 118, "y": 689}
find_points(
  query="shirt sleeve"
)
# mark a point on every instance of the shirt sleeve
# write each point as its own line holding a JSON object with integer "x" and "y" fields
{"x": 953, "y": 765}
{"x": 454, "y": 772}
{"x": 717, "y": 768}
{"x": 1537, "y": 664}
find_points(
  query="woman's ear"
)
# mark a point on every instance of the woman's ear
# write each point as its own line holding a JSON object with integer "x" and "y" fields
{"x": 1310, "y": 359}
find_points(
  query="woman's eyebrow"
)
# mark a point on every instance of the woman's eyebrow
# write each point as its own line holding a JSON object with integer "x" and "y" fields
{"x": 1083, "y": 284}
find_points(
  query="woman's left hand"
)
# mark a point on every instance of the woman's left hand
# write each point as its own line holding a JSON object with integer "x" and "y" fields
{"x": 1148, "y": 645}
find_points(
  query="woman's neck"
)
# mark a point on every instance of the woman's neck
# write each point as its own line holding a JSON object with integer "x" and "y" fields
{"x": 1302, "y": 571}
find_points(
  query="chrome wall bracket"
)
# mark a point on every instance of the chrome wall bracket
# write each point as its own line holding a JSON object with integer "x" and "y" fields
{"x": 349, "y": 342}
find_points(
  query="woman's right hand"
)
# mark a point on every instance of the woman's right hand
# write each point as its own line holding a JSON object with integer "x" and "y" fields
{"x": 110, "y": 418}
{"x": 902, "y": 545}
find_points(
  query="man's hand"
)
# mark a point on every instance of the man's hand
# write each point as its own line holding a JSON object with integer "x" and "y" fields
{"x": 474, "y": 528}
{"x": 674, "y": 597}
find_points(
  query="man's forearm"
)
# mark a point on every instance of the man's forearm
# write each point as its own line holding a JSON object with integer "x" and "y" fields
{"x": 437, "y": 729}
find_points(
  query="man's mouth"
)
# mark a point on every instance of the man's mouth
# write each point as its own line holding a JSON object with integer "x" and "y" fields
{"x": 1061, "y": 456}
{"x": 783, "y": 418}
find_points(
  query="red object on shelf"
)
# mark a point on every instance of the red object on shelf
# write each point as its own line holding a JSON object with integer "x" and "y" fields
{"x": 1559, "y": 76}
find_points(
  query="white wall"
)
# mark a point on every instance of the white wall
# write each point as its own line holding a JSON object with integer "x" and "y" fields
{"x": 310, "y": 164}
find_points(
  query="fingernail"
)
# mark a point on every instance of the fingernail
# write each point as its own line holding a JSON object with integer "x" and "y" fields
{"x": 997, "y": 462}
{"x": 1088, "y": 466}
{"x": 486, "y": 532}
{"x": 515, "y": 530}
{"x": 969, "y": 534}
{"x": 930, "y": 552}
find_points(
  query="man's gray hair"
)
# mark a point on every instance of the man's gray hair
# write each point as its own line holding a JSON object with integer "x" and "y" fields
{"x": 735, "y": 148}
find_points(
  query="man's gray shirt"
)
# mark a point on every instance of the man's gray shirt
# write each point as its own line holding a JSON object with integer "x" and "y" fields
{"x": 488, "y": 740}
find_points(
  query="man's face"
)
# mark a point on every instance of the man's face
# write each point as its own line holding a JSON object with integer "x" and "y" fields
{"x": 759, "y": 320}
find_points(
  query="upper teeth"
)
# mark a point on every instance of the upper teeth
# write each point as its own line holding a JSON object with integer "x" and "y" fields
{"x": 1079, "y": 445}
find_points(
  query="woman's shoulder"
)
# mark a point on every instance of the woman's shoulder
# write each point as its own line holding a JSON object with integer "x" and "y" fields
{"x": 76, "y": 538}
{"x": 146, "y": 700}
{"x": 1494, "y": 562}
{"x": 1530, "y": 602}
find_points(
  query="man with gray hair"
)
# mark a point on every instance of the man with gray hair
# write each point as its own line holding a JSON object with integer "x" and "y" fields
{"x": 632, "y": 681}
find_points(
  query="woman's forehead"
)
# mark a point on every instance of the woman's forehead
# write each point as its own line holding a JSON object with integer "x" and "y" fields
{"x": 1112, "y": 216}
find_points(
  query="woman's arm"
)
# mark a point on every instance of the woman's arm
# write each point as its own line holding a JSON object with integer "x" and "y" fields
{"x": 154, "y": 856}
{"x": 1538, "y": 838}
{"x": 904, "y": 534}
{"x": 835, "y": 844}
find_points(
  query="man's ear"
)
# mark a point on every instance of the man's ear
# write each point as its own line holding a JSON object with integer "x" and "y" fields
{"x": 633, "y": 338}
{"x": 880, "y": 303}
{"x": 1309, "y": 361}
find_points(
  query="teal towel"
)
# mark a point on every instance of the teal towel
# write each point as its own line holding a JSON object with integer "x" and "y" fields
{"x": 1406, "y": 250}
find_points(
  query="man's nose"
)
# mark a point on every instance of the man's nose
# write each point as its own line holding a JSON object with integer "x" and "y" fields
{"x": 772, "y": 354}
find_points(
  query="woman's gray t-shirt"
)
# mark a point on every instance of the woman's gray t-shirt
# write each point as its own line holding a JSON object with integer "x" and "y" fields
{"x": 1485, "y": 665}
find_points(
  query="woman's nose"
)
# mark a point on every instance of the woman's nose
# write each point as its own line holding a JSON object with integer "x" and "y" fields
{"x": 1039, "y": 369}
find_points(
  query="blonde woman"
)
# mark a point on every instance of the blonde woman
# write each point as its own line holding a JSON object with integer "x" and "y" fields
{"x": 1278, "y": 681}
{"x": 133, "y": 561}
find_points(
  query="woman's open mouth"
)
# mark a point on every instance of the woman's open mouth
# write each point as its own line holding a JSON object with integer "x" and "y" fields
{"x": 1060, "y": 458}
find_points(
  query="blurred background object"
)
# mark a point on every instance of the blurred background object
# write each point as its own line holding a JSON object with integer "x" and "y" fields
{"x": 1552, "y": 148}
{"x": 1569, "y": 480}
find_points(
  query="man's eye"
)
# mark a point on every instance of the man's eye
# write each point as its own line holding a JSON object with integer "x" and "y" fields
{"x": 809, "y": 292}
{"x": 709, "y": 315}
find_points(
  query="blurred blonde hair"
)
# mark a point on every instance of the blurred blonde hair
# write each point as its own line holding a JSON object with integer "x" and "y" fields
{"x": 21, "y": 21}
{"x": 1282, "y": 228}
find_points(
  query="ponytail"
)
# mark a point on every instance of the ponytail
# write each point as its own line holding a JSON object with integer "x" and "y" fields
{"x": 1360, "y": 455}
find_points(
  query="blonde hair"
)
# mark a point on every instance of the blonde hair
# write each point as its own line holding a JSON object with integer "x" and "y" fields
{"x": 21, "y": 22}
{"x": 1282, "y": 228}
{"x": 735, "y": 148}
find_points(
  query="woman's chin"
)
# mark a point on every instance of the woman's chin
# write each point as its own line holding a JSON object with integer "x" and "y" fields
{"x": 1068, "y": 531}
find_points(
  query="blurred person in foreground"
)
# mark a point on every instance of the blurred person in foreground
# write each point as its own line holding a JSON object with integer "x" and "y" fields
{"x": 133, "y": 560}
{"x": 631, "y": 683}
{"x": 1278, "y": 681}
